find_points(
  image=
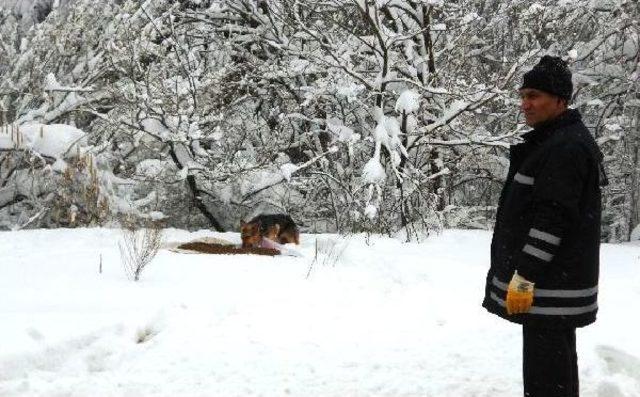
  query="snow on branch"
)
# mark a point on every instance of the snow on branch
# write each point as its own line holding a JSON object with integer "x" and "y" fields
{"x": 458, "y": 107}
{"x": 51, "y": 84}
{"x": 286, "y": 171}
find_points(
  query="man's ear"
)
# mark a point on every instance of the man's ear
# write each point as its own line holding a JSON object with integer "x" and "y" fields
{"x": 564, "y": 102}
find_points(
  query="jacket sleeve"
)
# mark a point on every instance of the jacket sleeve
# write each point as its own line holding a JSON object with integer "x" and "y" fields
{"x": 556, "y": 193}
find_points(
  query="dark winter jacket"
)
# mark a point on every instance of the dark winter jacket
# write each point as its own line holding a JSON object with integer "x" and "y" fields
{"x": 548, "y": 225}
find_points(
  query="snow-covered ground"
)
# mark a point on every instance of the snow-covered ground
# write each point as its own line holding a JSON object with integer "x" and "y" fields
{"x": 382, "y": 318}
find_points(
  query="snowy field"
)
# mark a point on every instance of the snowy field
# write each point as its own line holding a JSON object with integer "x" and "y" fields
{"x": 380, "y": 319}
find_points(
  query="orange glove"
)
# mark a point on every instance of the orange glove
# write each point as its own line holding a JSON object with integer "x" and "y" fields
{"x": 519, "y": 295}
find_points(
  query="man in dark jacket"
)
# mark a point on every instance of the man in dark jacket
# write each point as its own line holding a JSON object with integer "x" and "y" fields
{"x": 546, "y": 241}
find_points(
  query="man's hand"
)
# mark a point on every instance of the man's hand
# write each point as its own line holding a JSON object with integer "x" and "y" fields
{"x": 519, "y": 295}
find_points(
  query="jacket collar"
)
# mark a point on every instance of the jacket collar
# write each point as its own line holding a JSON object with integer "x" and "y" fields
{"x": 543, "y": 130}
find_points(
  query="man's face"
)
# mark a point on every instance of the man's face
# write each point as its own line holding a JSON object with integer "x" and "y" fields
{"x": 539, "y": 106}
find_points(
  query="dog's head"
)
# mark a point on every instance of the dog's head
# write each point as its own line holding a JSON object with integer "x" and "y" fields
{"x": 250, "y": 234}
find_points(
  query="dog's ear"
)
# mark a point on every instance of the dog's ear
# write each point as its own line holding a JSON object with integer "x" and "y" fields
{"x": 243, "y": 224}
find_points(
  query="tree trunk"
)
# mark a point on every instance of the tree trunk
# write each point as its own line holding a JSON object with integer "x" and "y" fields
{"x": 195, "y": 191}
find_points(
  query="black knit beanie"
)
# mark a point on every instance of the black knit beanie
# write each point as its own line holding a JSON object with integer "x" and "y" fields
{"x": 551, "y": 75}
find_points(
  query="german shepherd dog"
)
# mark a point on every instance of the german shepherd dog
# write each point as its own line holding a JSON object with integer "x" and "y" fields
{"x": 279, "y": 228}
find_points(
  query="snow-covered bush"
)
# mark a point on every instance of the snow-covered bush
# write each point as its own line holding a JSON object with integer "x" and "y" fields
{"x": 78, "y": 198}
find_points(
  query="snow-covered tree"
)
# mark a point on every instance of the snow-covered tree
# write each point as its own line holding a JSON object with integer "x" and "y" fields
{"x": 352, "y": 115}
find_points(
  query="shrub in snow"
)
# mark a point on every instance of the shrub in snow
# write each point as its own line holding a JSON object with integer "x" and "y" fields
{"x": 78, "y": 199}
{"x": 328, "y": 251}
{"x": 138, "y": 247}
{"x": 46, "y": 181}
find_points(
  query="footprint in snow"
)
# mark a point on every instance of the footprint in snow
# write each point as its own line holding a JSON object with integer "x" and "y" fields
{"x": 618, "y": 362}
